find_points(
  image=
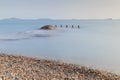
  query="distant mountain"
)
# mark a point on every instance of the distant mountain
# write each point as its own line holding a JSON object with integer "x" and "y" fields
{"x": 11, "y": 19}
{"x": 108, "y": 19}
{"x": 47, "y": 21}
{"x": 18, "y": 19}
{"x": 28, "y": 21}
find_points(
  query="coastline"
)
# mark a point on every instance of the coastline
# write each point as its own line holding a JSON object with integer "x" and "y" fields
{"x": 13, "y": 67}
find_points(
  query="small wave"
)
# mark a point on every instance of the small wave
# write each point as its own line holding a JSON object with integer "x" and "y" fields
{"x": 12, "y": 37}
{"x": 27, "y": 35}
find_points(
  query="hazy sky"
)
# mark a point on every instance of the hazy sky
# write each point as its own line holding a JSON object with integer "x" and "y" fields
{"x": 60, "y": 9}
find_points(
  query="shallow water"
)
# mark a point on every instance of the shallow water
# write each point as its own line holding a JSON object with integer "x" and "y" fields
{"x": 96, "y": 44}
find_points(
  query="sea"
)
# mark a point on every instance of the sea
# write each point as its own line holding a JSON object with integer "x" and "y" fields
{"x": 96, "y": 44}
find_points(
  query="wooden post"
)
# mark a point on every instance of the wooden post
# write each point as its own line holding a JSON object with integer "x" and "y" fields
{"x": 55, "y": 25}
{"x": 72, "y": 26}
{"x": 61, "y": 26}
{"x": 66, "y": 26}
{"x": 78, "y": 26}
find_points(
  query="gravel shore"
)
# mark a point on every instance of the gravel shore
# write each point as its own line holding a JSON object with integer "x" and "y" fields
{"x": 24, "y": 68}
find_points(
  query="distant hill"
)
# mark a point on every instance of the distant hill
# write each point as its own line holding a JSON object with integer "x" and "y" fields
{"x": 22, "y": 21}
{"x": 49, "y": 21}
{"x": 36, "y": 21}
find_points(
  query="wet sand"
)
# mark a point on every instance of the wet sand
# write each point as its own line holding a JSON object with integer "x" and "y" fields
{"x": 14, "y": 67}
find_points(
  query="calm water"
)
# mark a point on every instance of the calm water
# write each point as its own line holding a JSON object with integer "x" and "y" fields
{"x": 95, "y": 44}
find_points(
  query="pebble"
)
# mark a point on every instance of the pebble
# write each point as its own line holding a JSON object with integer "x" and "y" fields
{"x": 25, "y": 68}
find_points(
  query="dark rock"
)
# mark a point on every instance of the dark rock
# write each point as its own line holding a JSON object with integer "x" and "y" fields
{"x": 48, "y": 27}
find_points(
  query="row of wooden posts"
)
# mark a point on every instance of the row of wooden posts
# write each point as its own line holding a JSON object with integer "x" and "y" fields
{"x": 66, "y": 26}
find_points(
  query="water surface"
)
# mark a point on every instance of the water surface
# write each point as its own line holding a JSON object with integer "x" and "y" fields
{"x": 95, "y": 44}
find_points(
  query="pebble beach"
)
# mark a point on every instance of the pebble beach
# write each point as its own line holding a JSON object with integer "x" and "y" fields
{"x": 14, "y": 67}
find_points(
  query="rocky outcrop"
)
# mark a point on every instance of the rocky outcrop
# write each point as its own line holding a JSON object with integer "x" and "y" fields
{"x": 48, "y": 27}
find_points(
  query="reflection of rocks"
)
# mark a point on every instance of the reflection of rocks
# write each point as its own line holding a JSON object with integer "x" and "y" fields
{"x": 48, "y": 27}
{"x": 41, "y": 35}
{"x": 24, "y": 68}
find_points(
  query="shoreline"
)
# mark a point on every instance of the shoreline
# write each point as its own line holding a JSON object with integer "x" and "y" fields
{"x": 14, "y": 67}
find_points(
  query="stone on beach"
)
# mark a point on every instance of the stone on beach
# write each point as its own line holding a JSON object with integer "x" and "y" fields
{"x": 25, "y": 68}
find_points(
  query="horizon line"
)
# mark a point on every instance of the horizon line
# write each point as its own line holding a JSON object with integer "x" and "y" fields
{"x": 15, "y": 18}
